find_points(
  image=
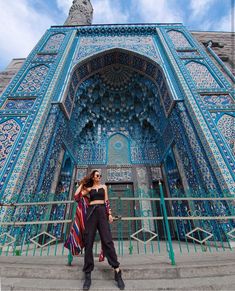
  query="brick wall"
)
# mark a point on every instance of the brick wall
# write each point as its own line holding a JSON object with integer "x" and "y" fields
{"x": 10, "y": 71}
{"x": 227, "y": 50}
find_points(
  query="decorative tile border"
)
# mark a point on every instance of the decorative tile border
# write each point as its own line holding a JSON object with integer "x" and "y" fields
{"x": 15, "y": 182}
{"x": 217, "y": 161}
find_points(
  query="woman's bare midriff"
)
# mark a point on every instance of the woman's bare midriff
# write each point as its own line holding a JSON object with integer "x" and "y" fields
{"x": 96, "y": 202}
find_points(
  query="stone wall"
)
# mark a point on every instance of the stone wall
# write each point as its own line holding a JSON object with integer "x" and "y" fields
{"x": 224, "y": 46}
{"x": 10, "y": 71}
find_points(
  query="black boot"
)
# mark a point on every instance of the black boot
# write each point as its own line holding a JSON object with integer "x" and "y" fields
{"x": 118, "y": 278}
{"x": 87, "y": 283}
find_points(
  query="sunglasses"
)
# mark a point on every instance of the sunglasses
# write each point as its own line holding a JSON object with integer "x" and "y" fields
{"x": 98, "y": 175}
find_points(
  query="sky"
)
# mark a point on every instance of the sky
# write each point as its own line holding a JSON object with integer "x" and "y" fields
{"x": 23, "y": 22}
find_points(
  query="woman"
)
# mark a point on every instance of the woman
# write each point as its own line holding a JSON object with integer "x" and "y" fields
{"x": 75, "y": 241}
{"x": 98, "y": 217}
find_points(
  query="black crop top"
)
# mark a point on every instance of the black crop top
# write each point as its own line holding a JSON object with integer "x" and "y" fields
{"x": 97, "y": 195}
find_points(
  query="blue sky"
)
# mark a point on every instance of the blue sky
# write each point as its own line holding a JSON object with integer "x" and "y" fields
{"x": 23, "y": 22}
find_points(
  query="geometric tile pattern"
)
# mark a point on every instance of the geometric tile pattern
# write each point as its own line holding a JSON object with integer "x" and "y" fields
{"x": 19, "y": 164}
{"x": 109, "y": 108}
{"x": 19, "y": 104}
{"x": 119, "y": 174}
{"x": 225, "y": 177}
{"x": 33, "y": 83}
{"x": 165, "y": 94}
{"x": 118, "y": 150}
{"x": 87, "y": 153}
{"x": 51, "y": 166}
{"x": 43, "y": 58}
{"x": 197, "y": 150}
{"x": 9, "y": 131}
{"x": 37, "y": 164}
{"x": 185, "y": 164}
{"x": 94, "y": 44}
{"x": 226, "y": 125}
{"x": 6, "y": 170}
{"x": 116, "y": 58}
{"x": 54, "y": 43}
{"x": 217, "y": 100}
{"x": 81, "y": 172}
{"x": 156, "y": 173}
{"x": 201, "y": 75}
{"x": 174, "y": 181}
{"x": 34, "y": 79}
{"x": 146, "y": 152}
{"x": 178, "y": 39}
{"x": 188, "y": 54}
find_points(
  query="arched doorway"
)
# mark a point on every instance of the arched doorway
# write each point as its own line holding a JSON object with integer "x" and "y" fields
{"x": 117, "y": 105}
{"x": 119, "y": 94}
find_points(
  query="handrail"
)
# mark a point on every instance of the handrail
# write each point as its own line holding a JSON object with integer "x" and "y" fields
{"x": 146, "y": 215}
{"x": 124, "y": 198}
{"x": 126, "y": 218}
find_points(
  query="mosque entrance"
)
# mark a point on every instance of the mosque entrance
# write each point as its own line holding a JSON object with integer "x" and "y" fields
{"x": 117, "y": 116}
{"x": 118, "y": 105}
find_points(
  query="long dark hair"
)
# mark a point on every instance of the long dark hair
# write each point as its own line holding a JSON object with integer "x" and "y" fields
{"x": 88, "y": 181}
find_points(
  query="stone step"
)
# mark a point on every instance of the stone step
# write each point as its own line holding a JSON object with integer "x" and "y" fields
{"x": 201, "y": 271}
{"x": 56, "y": 268}
{"x": 208, "y": 283}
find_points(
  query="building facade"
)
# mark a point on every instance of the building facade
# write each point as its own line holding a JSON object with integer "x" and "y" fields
{"x": 140, "y": 102}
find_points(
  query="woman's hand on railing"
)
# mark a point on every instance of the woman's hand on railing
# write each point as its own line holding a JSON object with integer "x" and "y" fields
{"x": 110, "y": 218}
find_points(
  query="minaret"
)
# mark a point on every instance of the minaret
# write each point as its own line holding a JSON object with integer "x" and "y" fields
{"x": 80, "y": 13}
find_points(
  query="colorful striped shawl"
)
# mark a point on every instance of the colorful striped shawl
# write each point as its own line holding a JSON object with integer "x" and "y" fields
{"x": 75, "y": 242}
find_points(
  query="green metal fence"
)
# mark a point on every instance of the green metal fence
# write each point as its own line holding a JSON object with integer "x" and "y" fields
{"x": 146, "y": 223}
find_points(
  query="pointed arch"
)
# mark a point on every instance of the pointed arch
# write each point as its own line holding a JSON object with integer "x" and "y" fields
{"x": 90, "y": 45}
{"x": 178, "y": 39}
{"x": 9, "y": 131}
{"x": 53, "y": 43}
{"x": 33, "y": 80}
{"x": 118, "y": 150}
{"x": 226, "y": 125}
{"x": 136, "y": 62}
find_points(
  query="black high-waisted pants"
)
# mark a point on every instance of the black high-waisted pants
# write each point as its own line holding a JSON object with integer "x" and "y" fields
{"x": 96, "y": 218}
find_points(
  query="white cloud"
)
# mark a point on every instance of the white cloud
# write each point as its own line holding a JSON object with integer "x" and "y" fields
{"x": 158, "y": 11}
{"x": 224, "y": 23}
{"x": 200, "y": 7}
{"x": 64, "y": 5}
{"x": 21, "y": 27}
{"x": 109, "y": 11}
{"x": 105, "y": 11}
{"x": 227, "y": 23}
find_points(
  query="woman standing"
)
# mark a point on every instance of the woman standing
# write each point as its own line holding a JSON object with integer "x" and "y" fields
{"x": 98, "y": 217}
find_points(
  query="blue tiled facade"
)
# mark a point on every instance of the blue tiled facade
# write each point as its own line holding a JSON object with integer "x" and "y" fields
{"x": 116, "y": 97}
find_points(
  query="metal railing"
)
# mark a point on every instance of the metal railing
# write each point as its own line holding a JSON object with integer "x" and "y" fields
{"x": 149, "y": 223}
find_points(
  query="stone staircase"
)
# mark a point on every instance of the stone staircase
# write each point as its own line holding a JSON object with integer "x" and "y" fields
{"x": 209, "y": 271}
